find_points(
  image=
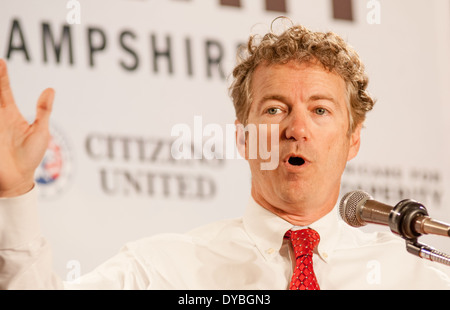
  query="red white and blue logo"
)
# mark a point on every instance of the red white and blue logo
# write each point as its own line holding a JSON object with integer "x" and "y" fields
{"x": 55, "y": 169}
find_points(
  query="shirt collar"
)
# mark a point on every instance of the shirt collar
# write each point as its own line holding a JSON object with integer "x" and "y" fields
{"x": 267, "y": 230}
{"x": 329, "y": 230}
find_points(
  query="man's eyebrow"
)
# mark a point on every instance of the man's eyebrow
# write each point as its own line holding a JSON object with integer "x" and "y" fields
{"x": 284, "y": 99}
{"x": 272, "y": 97}
{"x": 322, "y": 97}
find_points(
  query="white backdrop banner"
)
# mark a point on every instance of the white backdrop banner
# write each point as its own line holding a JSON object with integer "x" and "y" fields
{"x": 127, "y": 73}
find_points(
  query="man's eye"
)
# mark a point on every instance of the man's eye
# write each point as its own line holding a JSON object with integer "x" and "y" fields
{"x": 273, "y": 111}
{"x": 321, "y": 111}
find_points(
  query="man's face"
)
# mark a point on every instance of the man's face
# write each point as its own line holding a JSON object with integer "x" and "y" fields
{"x": 309, "y": 105}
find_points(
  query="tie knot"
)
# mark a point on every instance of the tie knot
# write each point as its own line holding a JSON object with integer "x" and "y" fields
{"x": 303, "y": 241}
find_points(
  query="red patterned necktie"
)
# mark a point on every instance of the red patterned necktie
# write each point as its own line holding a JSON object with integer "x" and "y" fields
{"x": 303, "y": 241}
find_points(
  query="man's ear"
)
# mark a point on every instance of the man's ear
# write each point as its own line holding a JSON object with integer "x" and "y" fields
{"x": 240, "y": 139}
{"x": 355, "y": 142}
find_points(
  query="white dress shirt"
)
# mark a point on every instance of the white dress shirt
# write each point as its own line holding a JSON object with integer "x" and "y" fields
{"x": 243, "y": 253}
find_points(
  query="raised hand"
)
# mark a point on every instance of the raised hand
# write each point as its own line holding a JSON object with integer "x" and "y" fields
{"x": 22, "y": 145}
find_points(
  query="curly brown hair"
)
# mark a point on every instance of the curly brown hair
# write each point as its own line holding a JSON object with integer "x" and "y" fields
{"x": 303, "y": 45}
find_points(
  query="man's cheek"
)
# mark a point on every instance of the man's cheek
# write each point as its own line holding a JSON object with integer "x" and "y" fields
{"x": 269, "y": 146}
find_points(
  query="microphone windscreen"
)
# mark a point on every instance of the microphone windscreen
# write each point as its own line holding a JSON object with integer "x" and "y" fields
{"x": 348, "y": 207}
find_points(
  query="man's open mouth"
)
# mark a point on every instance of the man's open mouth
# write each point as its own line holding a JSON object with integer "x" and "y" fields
{"x": 296, "y": 161}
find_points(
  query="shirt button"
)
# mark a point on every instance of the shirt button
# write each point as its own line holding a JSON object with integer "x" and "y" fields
{"x": 325, "y": 255}
{"x": 270, "y": 251}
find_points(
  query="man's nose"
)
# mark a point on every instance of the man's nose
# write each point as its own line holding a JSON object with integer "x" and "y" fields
{"x": 298, "y": 125}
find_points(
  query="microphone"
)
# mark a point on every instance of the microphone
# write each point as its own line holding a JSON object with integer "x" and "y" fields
{"x": 408, "y": 218}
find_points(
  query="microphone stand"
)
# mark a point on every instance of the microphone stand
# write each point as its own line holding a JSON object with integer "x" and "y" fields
{"x": 426, "y": 252}
{"x": 401, "y": 221}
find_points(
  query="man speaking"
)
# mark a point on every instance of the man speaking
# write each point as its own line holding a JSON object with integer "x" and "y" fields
{"x": 311, "y": 87}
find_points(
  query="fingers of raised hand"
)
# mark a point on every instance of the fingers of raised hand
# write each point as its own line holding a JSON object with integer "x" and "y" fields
{"x": 6, "y": 96}
{"x": 44, "y": 106}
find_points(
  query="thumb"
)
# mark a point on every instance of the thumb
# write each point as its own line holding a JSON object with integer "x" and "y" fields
{"x": 44, "y": 106}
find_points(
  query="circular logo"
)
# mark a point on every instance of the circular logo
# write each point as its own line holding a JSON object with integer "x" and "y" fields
{"x": 54, "y": 171}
